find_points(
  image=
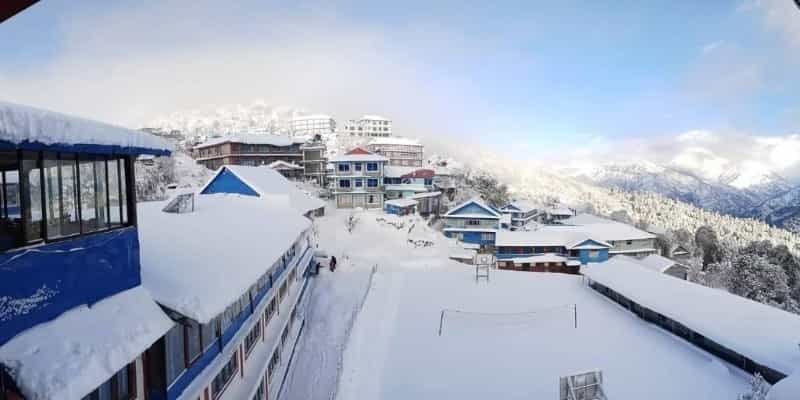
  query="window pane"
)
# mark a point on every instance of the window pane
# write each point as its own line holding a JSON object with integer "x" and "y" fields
{"x": 113, "y": 192}
{"x": 193, "y": 341}
{"x": 88, "y": 196}
{"x": 52, "y": 195}
{"x": 32, "y": 195}
{"x": 122, "y": 191}
{"x": 10, "y": 222}
{"x": 123, "y": 381}
{"x": 209, "y": 333}
{"x": 100, "y": 190}
{"x": 104, "y": 391}
{"x": 174, "y": 353}
{"x": 70, "y": 224}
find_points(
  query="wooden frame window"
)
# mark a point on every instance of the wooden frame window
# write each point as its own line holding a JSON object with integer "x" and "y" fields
{"x": 121, "y": 386}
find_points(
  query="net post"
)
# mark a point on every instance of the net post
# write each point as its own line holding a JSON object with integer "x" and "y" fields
{"x": 575, "y": 313}
{"x": 441, "y": 320}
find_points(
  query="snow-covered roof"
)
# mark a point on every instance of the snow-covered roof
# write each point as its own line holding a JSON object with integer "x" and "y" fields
{"x": 492, "y": 212}
{"x": 559, "y": 210}
{"x": 401, "y": 202}
{"x": 395, "y": 140}
{"x": 407, "y": 187}
{"x": 254, "y": 138}
{"x": 521, "y": 205}
{"x": 33, "y": 128}
{"x": 198, "y": 263}
{"x": 426, "y": 195}
{"x": 505, "y": 219}
{"x": 396, "y": 171}
{"x": 539, "y": 258}
{"x": 607, "y": 229}
{"x": 482, "y": 230}
{"x": 374, "y": 118}
{"x": 313, "y": 116}
{"x": 549, "y": 235}
{"x": 358, "y": 158}
{"x": 280, "y": 164}
{"x": 268, "y": 182}
{"x": 708, "y": 312}
{"x": 75, "y": 353}
{"x": 787, "y": 389}
{"x": 656, "y": 262}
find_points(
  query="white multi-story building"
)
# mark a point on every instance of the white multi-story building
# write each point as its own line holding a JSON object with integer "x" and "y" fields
{"x": 400, "y": 151}
{"x": 310, "y": 125}
{"x": 369, "y": 126}
{"x": 357, "y": 179}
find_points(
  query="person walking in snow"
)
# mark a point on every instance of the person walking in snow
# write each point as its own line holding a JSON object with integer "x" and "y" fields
{"x": 332, "y": 264}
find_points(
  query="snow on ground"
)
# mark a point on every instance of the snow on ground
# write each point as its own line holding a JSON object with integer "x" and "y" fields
{"x": 395, "y": 352}
{"x": 335, "y": 298}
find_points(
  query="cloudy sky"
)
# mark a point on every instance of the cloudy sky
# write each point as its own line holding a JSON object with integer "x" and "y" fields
{"x": 532, "y": 79}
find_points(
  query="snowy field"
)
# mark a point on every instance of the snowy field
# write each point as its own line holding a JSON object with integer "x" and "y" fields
{"x": 392, "y": 349}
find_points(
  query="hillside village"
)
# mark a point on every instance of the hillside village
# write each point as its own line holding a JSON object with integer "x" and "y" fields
{"x": 223, "y": 283}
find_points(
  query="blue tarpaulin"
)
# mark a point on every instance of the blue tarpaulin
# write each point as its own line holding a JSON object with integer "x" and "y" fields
{"x": 40, "y": 283}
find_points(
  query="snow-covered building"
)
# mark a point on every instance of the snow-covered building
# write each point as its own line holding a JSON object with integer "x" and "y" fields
{"x": 400, "y": 151}
{"x": 521, "y": 213}
{"x": 357, "y": 179}
{"x": 263, "y": 182}
{"x": 310, "y": 125}
{"x": 248, "y": 149}
{"x": 664, "y": 265}
{"x": 232, "y": 275}
{"x": 287, "y": 169}
{"x": 405, "y": 182}
{"x": 314, "y": 160}
{"x": 74, "y": 319}
{"x": 624, "y": 239}
{"x": 429, "y": 203}
{"x": 557, "y": 213}
{"x": 472, "y": 222}
{"x": 400, "y": 206}
{"x": 726, "y": 325}
{"x": 369, "y": 126}
{"x": 549, "y": 249}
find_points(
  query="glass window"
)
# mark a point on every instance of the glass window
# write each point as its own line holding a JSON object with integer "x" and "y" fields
{"x": 357, "y": 166}
{"x": 123, "y": 196}
{"x": 70, "y": 223}
{"x": 344, "y": 183}
{"x": 113, "y": 193}
{"x": 372, "y": 183}
{"x": 225, "y": 375}
{"x": 193, "y": 346}
{"x": 10, "y": 221}
{"x": 372, "y": 166}
{"x": 123, "y": 384}
{"x": 175, "y": 359}
{"x": 52, "y": 192}
{"x": 359, "y": 183}
{"x": 209, "y": 333}
{"x": 344, "y": 167}
{"x": 88, "y": 196}
{"x": 260, "y": 392}
{"x": 32, "y": 195}
{"x": 252, "y": 337}
{"x": 101, "y": 190}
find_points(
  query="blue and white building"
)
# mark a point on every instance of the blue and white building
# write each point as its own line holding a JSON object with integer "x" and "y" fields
{"x": 472, "y": 222}
{"x": 549, "y": 249}
{"x": 74, "y": 317}
{"x": 230, "y": 270}
{"x": 520, "y": 212}
{"x": 357, "y": 179}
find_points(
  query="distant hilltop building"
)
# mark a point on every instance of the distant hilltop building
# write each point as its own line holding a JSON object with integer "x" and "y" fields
{"x": 401, "y": 152}
{"x": 311, "y": 125}
{"x": 369, "y": 126}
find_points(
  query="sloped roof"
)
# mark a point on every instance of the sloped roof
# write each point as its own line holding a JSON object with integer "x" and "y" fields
{"x": 199, "y": 263}
{"x": 358, "y": 154}
{"x": 31, "y": 128}
{"x": 401, "y": 202}
{"x": 394, "y": 140}
{"x": 550, "y": 235}
{"x": 358, "y": 150}
{"x": 491, "y": 211}
{"x": 254, "y": 138}
{"x": 656, "y": 262}
{"x": 521, "y": 206}
{"x": 70, "y": 356}
{"x": 406, "y": 187}
{"x": 708, "y": 312}
{"x": 607, "y": 229}
{"x": 269, "y": 182}
{"x": 280, "y": 164}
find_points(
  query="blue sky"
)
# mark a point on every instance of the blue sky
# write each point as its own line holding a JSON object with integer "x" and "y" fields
{"x": 538, "y": 75}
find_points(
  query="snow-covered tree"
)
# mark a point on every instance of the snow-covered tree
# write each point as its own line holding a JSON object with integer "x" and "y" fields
{"x": 754, "y": 277}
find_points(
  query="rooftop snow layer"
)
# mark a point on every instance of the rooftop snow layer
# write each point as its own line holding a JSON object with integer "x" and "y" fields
{"x": 254, "y": 138}
{"x": 656, "y": 262}
{"x": 23, "y": 124}
{"x": 75, "y": 353}
{"x": 606, "y": 229}
{"x": 426, "y": 194}
{"x": 401, "y": 202}
{"x": 395, "y": 171}
{"x": 269, "y": 182}
{"x": 523, "y": 206}
{"x": 395, "y": 140}
{"x": 708, "y": 312}
{"x": 548, "y": 235}
{"x": 280, "y": 164}
{"x": 407, "y": 187}
{"x": 786, "y": 389}
{"x": 313, "y": 116}
{"x": 199, "y": 263}
{"x": 358, "y": 158}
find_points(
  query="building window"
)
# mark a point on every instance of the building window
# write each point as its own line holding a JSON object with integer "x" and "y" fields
{"x": 252, "y": 338}
{"x": 372, "y": 166}
{"x": 224, "y": 376}
{"x": 629, "y": 242}
{"x": 121, "y": 386}
{"x": 344, "y": 167}
{"x": 473, "y": 222}
{"x": 373, "y": 183}
{"x": 174, "y": 355}
{"x": 359, "y": 183}
{"x": 270, "y": 311}
{"x": 274, "y": 360}
{"x": 193, "y": 342}
{"x": 594, "y": 253}
{"x": 344, "y": 183}
{"x": 487, "y": 236}
{"x": 261, "y": 391}
{"x": 428, "y": 182}
{"x": 357, "y": 166}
